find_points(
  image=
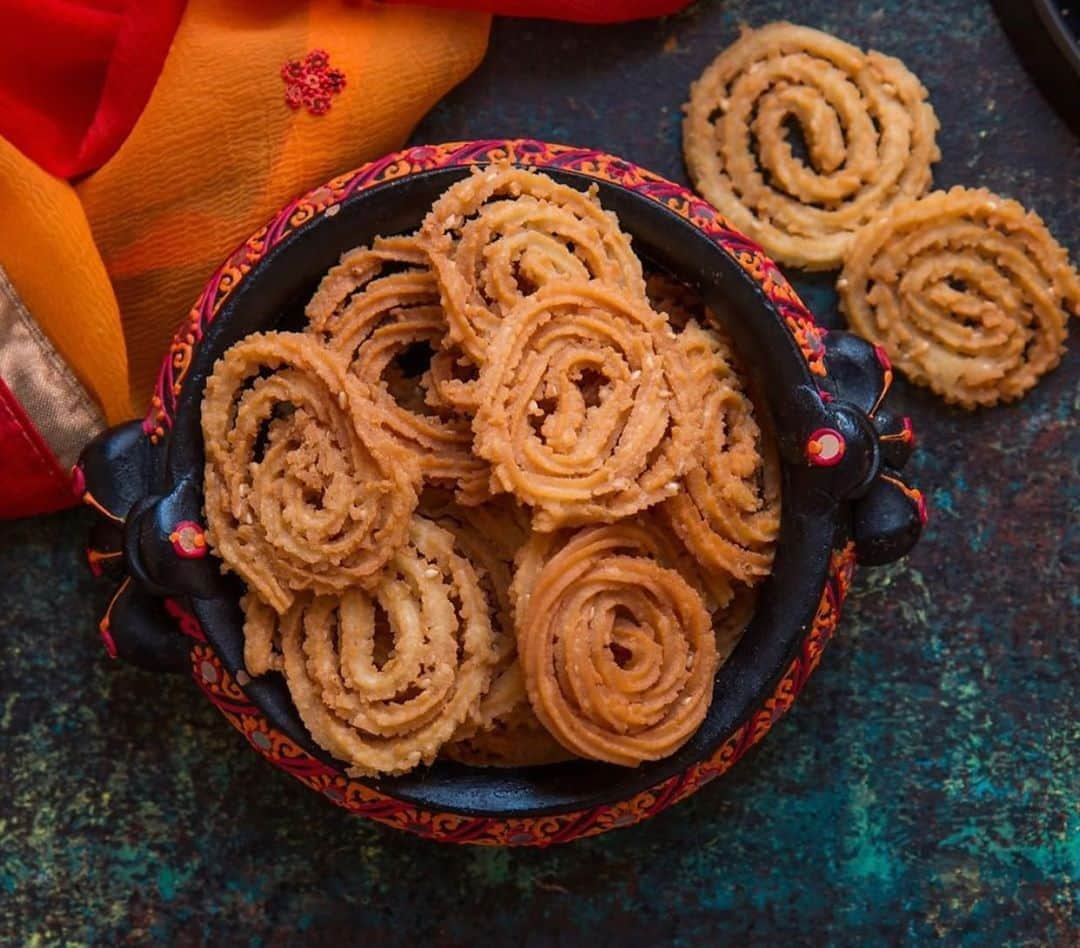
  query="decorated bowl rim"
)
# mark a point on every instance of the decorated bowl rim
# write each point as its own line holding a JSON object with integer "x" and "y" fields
{"x": 226, "y": 686}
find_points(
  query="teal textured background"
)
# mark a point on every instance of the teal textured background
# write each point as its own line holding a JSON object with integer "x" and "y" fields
{"x": 924, "y": 786}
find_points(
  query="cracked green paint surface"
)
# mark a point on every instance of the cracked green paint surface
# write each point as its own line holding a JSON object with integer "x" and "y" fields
{"x": 923, "y": 787}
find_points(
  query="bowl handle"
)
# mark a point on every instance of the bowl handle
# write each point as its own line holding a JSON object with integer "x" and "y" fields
{"x": 144, "y": 623}
{"x": 887, "y": 514}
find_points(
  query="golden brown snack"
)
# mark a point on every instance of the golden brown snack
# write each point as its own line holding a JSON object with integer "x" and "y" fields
{"x": 385, "y": 696}
{"x": 517, "y": 739}
{"x": 503, "y": 232}
{"x": 504, "y": 731}
{"x": 727, "y": 508}
{"x": 500, "y": 524}
{"x": 966, "y": 291}
{"x": 646, "y": 534}
{"x": 492, "y": 567}
{"x": 730, "y": 624}
{"x": 303, "y": 488}
{"x": 868, "y": 130}
{"x": 379, "y": 308}
{"x": 356, "y": 295}
{"x": 262, "y": 636}
{"x": 618, "y": 651}
{"x": 588, "y": 407}
{"x": 569, "y": 613}
{"x": 680, "y": 304}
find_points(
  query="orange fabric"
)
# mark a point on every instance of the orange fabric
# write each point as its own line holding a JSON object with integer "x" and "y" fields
{"x": 217, "y": 151}
{"x": 48, "y": 253}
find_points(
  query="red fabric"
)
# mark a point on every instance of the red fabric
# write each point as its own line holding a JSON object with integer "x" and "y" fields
{"x": 579, "y": 11}
{"x": 76, "y": 74}
{"x": 34, "y": 482}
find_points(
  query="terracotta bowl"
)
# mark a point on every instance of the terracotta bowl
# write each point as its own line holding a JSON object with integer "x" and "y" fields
{"x": 824, "y": 395}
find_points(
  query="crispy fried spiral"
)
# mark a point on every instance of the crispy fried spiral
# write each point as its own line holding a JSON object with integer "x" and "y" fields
{"x": 492, "y": 568}
{"x": 588, "y": 406}
{"x": 262, "y": 636}
{"x": 966, "y": 291}
{"x": 680, "y": 304}
{"x": 868, "y": 129}
{"x": 647, "y": 534}
{"x": 503, "y": 232}
{"x": 380, "y": 309}
{"x": 727, "y": 509}
{"x": 387, "y": 706}
{"x": 515, "y": 739}
{"x": 618, "y": 651}
{"x": 503, "y": 731}
{"x": 303, "y": 489}
{"x": 730, "y": 624}
{"x": 368, "y": 285}
{"x": 502, "y": 501}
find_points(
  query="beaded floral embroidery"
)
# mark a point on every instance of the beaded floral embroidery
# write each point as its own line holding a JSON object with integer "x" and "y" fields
{"x": 311, "y": 82}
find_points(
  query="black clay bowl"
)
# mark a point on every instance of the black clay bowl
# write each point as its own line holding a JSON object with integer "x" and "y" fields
{"x": 823, "y": 394}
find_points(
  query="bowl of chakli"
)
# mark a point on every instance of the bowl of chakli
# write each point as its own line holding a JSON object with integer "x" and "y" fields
{"x": 501, "y": 492}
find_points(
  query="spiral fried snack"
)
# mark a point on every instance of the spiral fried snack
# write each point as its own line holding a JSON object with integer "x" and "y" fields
{"x": 503, "y": 731}
{"x": 587, "y": 407}
{"x": 504, "y": 232}
{"x": 618, "y": 651}
{"x": 501, "y": 502}
{"x": 492, "y": 568}
{"x": 648, "y": 535}
{"x": 303, "y": 489}
{"x": 380, "y": 309}
{"x": 388, "y": 706}
{"x": 516, "y": 739}
{"x": 500, "y": 524}
{"x": 675, "y": 300}
{"x": 966, "y": 291}
{"x": 262, "y": 636}
{"x": 730, "y": 625}
{"x": 868, "y": 129}
{"x": 356, "y": 295}
{"x": 727, "y": 510}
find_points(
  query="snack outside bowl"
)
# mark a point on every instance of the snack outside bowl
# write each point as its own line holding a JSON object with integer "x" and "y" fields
{"x": 824, "y": 397}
